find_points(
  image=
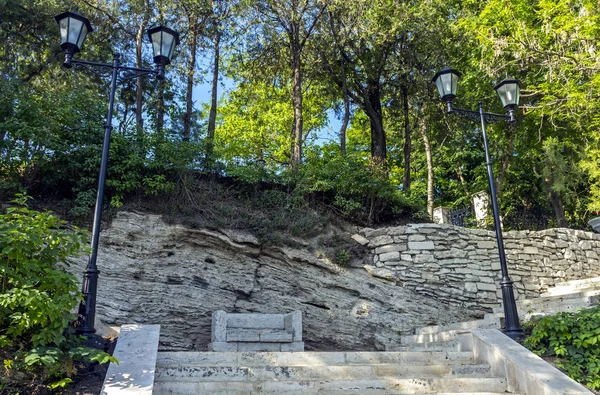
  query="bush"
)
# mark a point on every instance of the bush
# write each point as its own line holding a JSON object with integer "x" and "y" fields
{"x": 354, "y": 185}
{"x": 37, "y": 294}
{"x": 574, "y": 339}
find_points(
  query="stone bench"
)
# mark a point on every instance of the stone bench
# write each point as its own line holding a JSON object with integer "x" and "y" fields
{"x": 256, "y": 332}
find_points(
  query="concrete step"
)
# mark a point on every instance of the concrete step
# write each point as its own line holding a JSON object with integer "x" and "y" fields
{"x": 308, "y": 358}
{"x": 477, "y": 393}
{"x": 383, "y": 385}
{"x": 555, "y": 304}
{"x": 573, "y": 286}
{"x": 443, "y": 336}
{"x": 302, "y": 373}
{"x": 439, "y": 346}
{"x": 486, "y": 323}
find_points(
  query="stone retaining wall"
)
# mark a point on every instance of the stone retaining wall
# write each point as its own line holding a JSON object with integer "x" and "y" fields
{"x": 461, "y": 265}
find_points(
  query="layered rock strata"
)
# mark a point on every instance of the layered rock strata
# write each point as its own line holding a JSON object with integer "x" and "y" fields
{"x": 152, "y": 272}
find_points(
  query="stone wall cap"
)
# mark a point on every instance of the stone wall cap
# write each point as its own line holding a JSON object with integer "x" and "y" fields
{"x": 538, "y": 374}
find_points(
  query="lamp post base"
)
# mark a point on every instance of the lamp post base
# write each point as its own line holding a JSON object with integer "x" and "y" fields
{"x": 87, "y": 307}
{"x": 516, "y": 334}
{"x": 512, "y": 327}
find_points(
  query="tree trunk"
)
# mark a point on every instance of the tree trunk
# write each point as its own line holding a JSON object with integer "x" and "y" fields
{"x": 346, "y": 119}
{"x": 212, "y": 117}
{"x": 191, "y": 72}
{"x": 423, "y": 129}
{"x": 373, "y": 110}
{"x": 463, "y": 182}
{"x": 407, "y": 142}
{"x": 556, "y": 202}
{"x": 123, "y": 122}
{"x": 139, "y": 90}
{"x": 505, "y": 163}
{"x": 295, "y": 49}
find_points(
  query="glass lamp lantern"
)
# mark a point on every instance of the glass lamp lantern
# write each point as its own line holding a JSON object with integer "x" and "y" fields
{"x": 509, "y": 91}
{"x": 73, "y": 30}
{"x": 446, "y": 81}
{"x": 163, "y": 41}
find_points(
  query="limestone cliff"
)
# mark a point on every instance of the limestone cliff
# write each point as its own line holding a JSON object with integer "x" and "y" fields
{"x": 152, "y": 272}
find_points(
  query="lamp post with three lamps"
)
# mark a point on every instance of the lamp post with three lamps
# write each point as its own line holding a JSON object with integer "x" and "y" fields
{"x": 508, "y": 90}
{"x": 73, "y": 31}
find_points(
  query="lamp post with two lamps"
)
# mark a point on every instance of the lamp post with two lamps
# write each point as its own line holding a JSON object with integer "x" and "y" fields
{"x": 508, "y": 90}
{"x": 73, "y": 31}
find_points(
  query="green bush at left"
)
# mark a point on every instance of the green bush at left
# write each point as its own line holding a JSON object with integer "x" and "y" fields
{"x": 37, "y": 296}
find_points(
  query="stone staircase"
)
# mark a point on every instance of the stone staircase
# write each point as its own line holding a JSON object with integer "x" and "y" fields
{"x": 574, "y": 286}
{"x": 435, "y": 360}
{"x": 411, "y": 372}
{"x": 564, "y": 297}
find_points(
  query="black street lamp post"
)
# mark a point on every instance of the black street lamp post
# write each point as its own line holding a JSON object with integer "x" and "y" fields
{"x": 73, "y": 30}
{"x": 508, "y": 90}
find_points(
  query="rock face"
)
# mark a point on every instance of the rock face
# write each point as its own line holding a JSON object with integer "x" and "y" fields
{"x": 461, "y": 266}
{"x": 155, "y": 273}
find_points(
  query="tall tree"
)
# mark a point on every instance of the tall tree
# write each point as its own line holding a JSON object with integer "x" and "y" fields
{"x": 551, "y": 46}
{"x": 385, "y": 46}
{"x": 297, "y": 19}
{"x": 220, "y": 13}
{"x": 197, "y": 14}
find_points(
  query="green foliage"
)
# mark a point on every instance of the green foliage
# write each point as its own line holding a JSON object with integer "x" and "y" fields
{"x": 37, "y": 294}
{"x": 574, "y": 339}
{"x": 342, "y": 257}
{"x": 358, "y": 188}
{"x": 253, "y": 136}
{"x": 381, "y": 53}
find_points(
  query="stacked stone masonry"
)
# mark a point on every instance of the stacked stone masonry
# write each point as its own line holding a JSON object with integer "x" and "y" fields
{"x": 461, "y": 266}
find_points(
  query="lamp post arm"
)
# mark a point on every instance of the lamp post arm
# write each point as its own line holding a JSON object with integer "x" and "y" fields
{"x": 95, "y": 64}
{"x": 105, "y": 69}
{"x": 488, "y": 117}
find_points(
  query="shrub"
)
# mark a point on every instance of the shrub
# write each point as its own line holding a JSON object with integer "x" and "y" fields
{"x": 342, "y": 257}
{"x": 37, "y": 294}
{"x": 356, "y": 186}
{"x": 574, "y": 339}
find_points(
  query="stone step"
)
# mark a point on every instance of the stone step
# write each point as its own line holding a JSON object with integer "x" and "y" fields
{"x": 443, "y": 336}
{"x": 450, "y": 345}
{"x": 477, "y": 393}
{"x": 301, "y": 373}
{"x": 555, "y": 304}
{"x": 486, "y": 323}
{"x": 308, "y": 358}
{"x": 573, "y": 286}
{"x": 383, "y": 385}
{"x": 577, "y": 282}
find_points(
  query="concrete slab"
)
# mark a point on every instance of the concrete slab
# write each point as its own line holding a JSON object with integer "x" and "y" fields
{"x": 259, "y": 347}
{"x": 136, "y": 351}
{"x": 293, "y": 322}
{"x": 219, "y": 326}
{"x": 222, "y": 347}
{"x": 255, "y": 321}
{"x": 292, "y": 347}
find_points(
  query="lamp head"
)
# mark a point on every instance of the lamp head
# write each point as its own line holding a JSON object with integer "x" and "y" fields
{"x": 446, "y": 81}
{"x": 163, "y": 41}
{"x": 509, "y": 91}
{"x": 73, "y": 30}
